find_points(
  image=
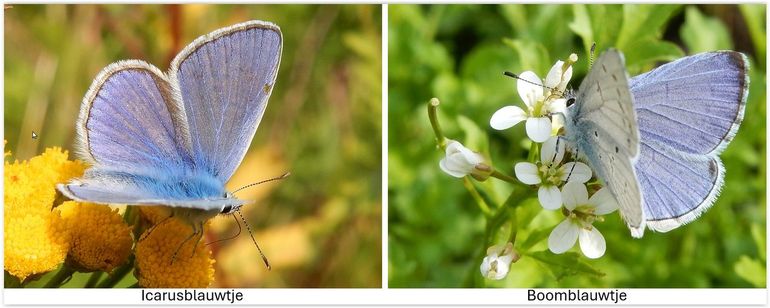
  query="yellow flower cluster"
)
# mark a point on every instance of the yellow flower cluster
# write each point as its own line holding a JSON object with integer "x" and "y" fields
{"x": 100, "y": 239}
{"x": 36, "y": 239}
{"x": 154, "y": 253}
{"x": 38, "y": 236}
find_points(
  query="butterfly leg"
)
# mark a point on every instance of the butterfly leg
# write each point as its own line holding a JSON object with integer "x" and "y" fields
{"x": 200, "y": 236}
{"x": 155, "y": 226}
{"x": 195, "y": 232}
{"x": 573, "y": 165}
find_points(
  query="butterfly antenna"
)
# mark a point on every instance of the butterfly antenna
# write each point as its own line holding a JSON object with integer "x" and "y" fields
{"x": 285, "y": 175}
{"x": 248, "y": 228}
{"x": 229, "y": 238}
{"x": 591, "y": 61}
{"x": 514, "y": 76}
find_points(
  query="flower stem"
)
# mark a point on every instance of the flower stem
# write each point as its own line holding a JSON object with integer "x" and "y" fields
{"x": 93, "y": 279}
{"x": 503, "y": 176}
{"x": 432, "y": 114}
{"x": 477, "y": 197}
{"x": 118, "y": 274}
{"x": 62, "y": 275}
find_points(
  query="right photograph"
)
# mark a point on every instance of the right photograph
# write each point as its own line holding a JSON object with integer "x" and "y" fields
{"x": 577, "y": 146}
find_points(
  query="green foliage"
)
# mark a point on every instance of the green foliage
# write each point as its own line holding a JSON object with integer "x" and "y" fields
{"x": 438, "y": 233}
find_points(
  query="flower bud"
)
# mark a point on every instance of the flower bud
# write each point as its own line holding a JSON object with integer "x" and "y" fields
{"x": 498, "y": 261}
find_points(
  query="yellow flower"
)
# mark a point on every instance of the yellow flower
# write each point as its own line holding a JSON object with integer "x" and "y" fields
{"x": 100, "y": 239}
{"x": 154, "y": 253}
{"x": 36, "y": 239}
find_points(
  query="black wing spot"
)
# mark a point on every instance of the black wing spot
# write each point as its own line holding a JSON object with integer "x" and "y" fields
{"x": 596, "y": 133}
{"x": 614, "y": 77}
{"x": 616, "y": 149}
{"x": 713, "y": 168}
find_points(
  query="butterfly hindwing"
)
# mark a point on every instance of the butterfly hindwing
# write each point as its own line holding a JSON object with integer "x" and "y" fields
{"x": 224, "y": 80}
{"x": 677, "y": 186}
{"x": 604, "y": 129}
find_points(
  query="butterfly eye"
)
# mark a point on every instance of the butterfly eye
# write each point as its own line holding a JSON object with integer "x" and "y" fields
{"x": 570, "y": 102}
{"x": 226, "y": 209}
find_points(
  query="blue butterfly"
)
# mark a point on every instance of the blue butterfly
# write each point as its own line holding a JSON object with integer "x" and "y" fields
{"x": 655, "y": 139}
{"x": 176, "y": 138}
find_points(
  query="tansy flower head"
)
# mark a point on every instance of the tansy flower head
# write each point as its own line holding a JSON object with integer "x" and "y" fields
{"x": 100, "y": 239}
{"x": 36, "y": 239}
{"x": 155, "y": 251}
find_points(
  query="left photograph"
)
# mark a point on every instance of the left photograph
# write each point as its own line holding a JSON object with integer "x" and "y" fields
{"x": 192, "y": 146}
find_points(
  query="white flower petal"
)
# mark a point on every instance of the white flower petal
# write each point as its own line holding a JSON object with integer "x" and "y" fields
{"x": 549, "y": 154}
{"x": 530, "y": 91}
{"x": 495, "y": 268}
{"x": 558, "y": 105}
{"x": 581, "y": 173}
{"x": 565, "y": 80}
{"x": 449, "y": 170}
{"x": 527, "y": 173}
{"x": 592, "y": 243}
{"x": 563, "y": 237}
{"x": 452, "y": 147}
{"x": 574, "y": 194}
{"x": 604, "y": 201}
{"x": 539, "y": 129}
{"x": 549, "y": 197}
{"x": 507, "y": 117}
{"x": 553, "y": 78}
{"x": 471, "y": 158}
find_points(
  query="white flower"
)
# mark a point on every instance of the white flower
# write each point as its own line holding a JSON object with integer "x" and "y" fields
{"x": 498, "y": 261}
{"x": 550, "y": 174}
{"x": 541, "y": 104}
{"x": 459, "y": 160}
{"x": 578, "y": 225}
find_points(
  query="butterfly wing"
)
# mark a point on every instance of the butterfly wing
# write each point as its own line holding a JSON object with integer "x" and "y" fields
{"x": 224, "y": 80}
{"x": 694, "y": 104}
{"x": 95, "y": 193}
{"x": 128, "y": 126}
{"x": 604, "y": 129}
{"x": 677, "y": 186}
{"x": 127, "y": 120}
{"x": 688, "y": 111}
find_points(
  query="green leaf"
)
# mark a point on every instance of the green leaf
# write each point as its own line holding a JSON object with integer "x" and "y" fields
{"x": 701, "y": 33}
{"x": 754, "y": 14}
{"x": 751, "y": 270}
{"x": 563, "y": 265}
{"x": 641, "y": 21}
{"x": 535, "y": 237}
{"x": 758, "y": 233}
{"x": 643, "y": 54}
{"x": 581, "y": 25}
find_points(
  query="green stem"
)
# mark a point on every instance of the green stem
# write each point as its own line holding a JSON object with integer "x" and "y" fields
{"x": 503, "y": 176}
{"x": 57, "y": 280}
{"x": 93, "y": 279}
{"x": 477, "y": 197}
{"x": 118, "y": 274}
{"x": 432, "y": 114}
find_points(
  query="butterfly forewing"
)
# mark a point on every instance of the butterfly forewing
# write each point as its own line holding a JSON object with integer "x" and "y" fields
{"x": 603, "y": 127}
{"x": 694, "y": 104}
{"x": 126, "y": 120}
{"x": 224, "y": 80}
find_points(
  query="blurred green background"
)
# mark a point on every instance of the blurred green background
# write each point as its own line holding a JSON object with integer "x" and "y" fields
{"x": 322, "y": 226}
{"x": 458, "y": 53}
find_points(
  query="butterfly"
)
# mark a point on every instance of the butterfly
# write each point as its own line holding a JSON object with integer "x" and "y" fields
{"x": 174, "y": 139}
{"x": 655, "y": 139}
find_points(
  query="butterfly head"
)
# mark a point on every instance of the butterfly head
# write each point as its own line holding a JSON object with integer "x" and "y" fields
{"x": 230, "y": 208}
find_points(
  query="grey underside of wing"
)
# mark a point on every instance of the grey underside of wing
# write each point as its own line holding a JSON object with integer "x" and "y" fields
{"x": 225, "y": 80}
{"x": 104, "y": 195}
{"x": 607, "y": 124}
